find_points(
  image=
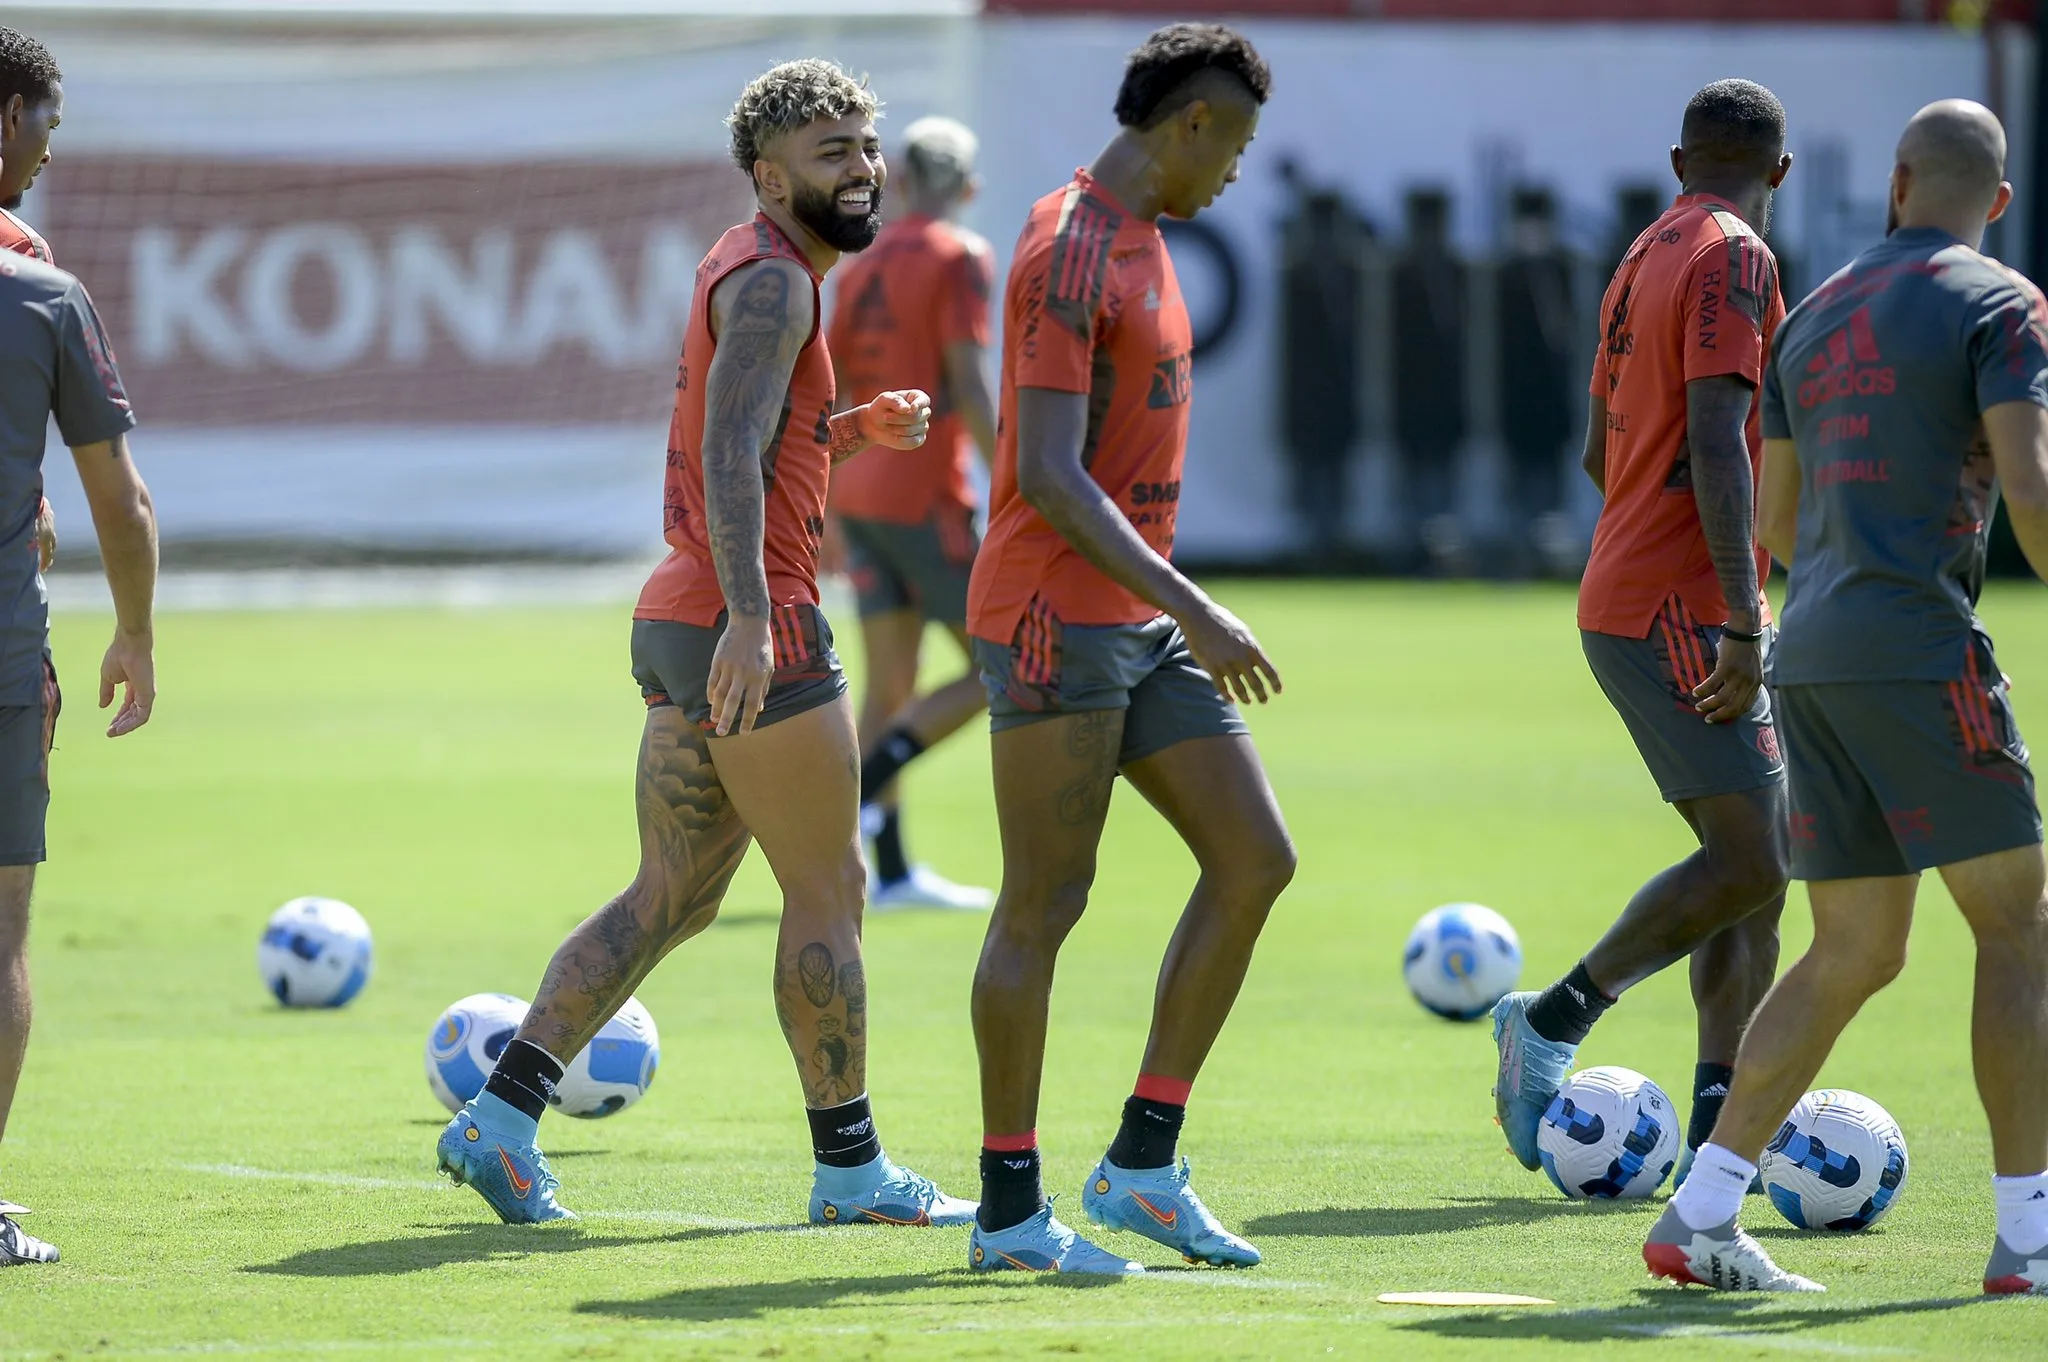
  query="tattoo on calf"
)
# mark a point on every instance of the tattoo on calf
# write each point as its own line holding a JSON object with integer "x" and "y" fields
{"x": 814, "y": 972}
{"x": 853, "y": 986}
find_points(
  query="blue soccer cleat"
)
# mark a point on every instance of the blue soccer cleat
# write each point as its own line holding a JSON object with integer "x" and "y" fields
{"x": 1532, "y": 1069}
{"x": 1159, "y": 1204}
{"x": 505, "y": 1169}
{"x": 880, "y": 1193}
{"x": 1043, "y": 1244}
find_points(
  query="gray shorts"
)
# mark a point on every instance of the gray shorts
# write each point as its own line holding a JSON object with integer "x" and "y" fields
{"x": 1893, "y": 777}
{"x": 26, "y": 733}
{"x": 672, "y": 663}
{"x": 1649, "y": 682}
{"x": 1146, "y": 670}
{"x": 922, "y": 567}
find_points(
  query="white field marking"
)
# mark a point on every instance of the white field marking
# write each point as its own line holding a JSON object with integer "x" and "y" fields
{"x": 1790, "y": 1343}
{"x": 236, "y": 1170}
{"x": 709, "y": 1222}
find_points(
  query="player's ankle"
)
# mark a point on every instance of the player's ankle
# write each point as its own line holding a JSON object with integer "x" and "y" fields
{"x": 1713, "y": 1191}
{"x": 1565, "y": 1012}
{"x": 1012, "y": 1181}
{"x": 844, "y": 1137}
{"x": 2022, "y": 1212}
{"x": 1153, "y": 1115}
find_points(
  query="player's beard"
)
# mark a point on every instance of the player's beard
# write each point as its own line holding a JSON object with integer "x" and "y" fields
{"x": 818, "y": 211}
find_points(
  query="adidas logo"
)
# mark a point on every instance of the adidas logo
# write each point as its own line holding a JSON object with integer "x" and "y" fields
{"x": 1849, "y": 367}
{"x": 1714, "y": 1090}
{"x": 1577, "y": 996}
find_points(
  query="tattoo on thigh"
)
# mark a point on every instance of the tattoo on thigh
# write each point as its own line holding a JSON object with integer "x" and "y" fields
{"x": 1095, "y": 735}
{"x": 814, "y": 972}
{"x": 853, "y": 986}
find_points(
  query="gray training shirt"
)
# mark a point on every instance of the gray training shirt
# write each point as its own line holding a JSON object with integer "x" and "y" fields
{"x": 1882, "y": 377}
{"x": 54, "y": 361}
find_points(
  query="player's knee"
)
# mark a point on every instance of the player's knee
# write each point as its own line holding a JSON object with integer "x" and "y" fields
{"x": 1260, "y": 871}
{"x": 1870, "y": 962}
{"x": 1752, "y": 875}
{"x": 1043, "y": 912}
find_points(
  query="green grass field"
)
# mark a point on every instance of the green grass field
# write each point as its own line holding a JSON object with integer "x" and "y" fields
{"x": 227, "y": 1177}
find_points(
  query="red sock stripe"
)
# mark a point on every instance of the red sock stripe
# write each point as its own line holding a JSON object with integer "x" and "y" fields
{"x": 1010, "y": 1144}
{"x": 1160, "y": 1088}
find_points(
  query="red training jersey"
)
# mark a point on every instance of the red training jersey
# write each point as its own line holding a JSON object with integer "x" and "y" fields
{"x": 1092, "y": 306}
{"x": 795, "y": 468}
{"x": 22, "y": 239}
{"x": 922, "y": 286}
{"x": 1696, "y": 297}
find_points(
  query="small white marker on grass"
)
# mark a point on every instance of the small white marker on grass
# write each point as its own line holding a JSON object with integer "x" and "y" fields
{"x": 1458, "y": 1298}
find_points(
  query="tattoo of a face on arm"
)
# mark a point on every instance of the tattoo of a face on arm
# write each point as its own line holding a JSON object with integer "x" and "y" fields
{"x": 746, "y": 393}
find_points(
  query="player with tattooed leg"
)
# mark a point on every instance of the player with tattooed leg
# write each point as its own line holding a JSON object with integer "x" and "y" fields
{"x": 1671, "y": 614}
{"x": 1100, "y": 658}
{"x": 749, "y": 735}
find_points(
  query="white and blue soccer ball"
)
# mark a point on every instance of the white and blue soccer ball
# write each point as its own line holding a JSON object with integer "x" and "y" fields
{"x": 615, "y": 1069}
{"x": 1609, "y": 1134}
{"x": 1838, "y": 1163}
{"x": 315, "y": 952}
{"x": 465, "y": 1043}
{"x": 1461, "y": 959}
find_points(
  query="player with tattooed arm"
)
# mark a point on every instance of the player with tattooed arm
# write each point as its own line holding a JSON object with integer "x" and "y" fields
{"x": 1671, "y": 613}
{"x": 1101, "y": 659}
{"x": 749, "y": 734}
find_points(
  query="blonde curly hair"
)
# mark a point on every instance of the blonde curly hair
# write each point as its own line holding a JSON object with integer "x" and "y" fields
{"x": 791, "y": 96}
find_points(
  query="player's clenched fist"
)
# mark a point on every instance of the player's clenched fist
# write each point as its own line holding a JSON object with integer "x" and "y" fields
{"x": 1225, "y": 649}
{"x": 900, "y": 420}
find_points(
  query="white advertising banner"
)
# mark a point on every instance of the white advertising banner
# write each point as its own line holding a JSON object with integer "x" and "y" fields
{"x": 423, "y": 287}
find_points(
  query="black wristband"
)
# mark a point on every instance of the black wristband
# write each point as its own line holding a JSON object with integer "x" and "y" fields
{"x": 1735, "y": 635}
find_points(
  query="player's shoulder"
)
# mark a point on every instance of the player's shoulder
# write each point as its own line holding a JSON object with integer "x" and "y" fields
{"x": 964, "y": 242}
{"x": 25, "y": 278}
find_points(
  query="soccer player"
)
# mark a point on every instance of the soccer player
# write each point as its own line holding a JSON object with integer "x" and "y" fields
{"x": 913, "y": 311}
{"x": 749, "y": 735}
{"x": 1101, "y": 658}
{"x": 1671, "y": 614}
{"x": 55, "y": 362}
{"x": 1899, "y": 398}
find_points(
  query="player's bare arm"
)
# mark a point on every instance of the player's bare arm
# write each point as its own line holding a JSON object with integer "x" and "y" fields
{"x": 896, "y": 420}
{"x": 1050, "y": 428}
{"x": 762, "y": 315}
{"x": 1777, "y": 507}
{"x": 46, "y": 535}
{"x": 1716, "y": 414}
{"x": 2018, "y": 435}
{"x": 125, "y": 521}
{"x": 1594, "y": 459}
{"x": 967, "y": 380}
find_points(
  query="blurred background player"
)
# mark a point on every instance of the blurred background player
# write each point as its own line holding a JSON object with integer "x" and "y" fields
{"x": 1537, "y": 348}
{"x": 749, "y": 735}
{"x": 1671, "y": 612}
{"x": 913, "y": 312}
{"x": 55, "y": 363}
{"x": 1900, "y": 396}
{"x": 1429, "y": 381}
{"x": 31, "y": 107}
{"x": 1100, "y": 657}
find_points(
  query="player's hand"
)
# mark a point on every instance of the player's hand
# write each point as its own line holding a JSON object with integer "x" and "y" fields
{"x": 1730, "y": 690}
{"x": 46, "y": 535}
{"x": 130, "y": 664}
{"x": 742, "y": 665}
{"x": 1225, "y": 649}
{"x": 900, "y": 420}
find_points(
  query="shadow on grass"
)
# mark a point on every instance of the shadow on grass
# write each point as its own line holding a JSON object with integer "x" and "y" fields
{"x": 750, "y": 1300}
{"x": 1456, "y": 1215}
{"x": 750, "y": 917}
{"x": 478, "y": 1244}
{"x": 1661, "y": 1312}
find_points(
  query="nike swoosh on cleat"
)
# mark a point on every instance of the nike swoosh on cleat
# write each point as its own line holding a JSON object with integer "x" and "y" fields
{"x": 921, "y": 1218}
{"x": 1023, "y": 1266}
{"x": 1166, "y": 1219}
{"x": 520, "y": 1186}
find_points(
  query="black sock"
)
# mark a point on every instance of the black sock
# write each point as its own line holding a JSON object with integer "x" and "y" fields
{"x": 1011, "y": 1190}
{"x": 1709, "y": 1091}
{"x": 1149, "y": 1135}
{"x": 897, "y": 749}
{"x": 844, "y": 1136}
{"x": 525, "y": 1078}
{"x": 890, "y": 863}
{"x": 1566, "y": 1010}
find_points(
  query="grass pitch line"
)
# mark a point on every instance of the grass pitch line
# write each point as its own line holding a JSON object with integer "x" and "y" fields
{"x": 1455, "y": 1299}
{"x": 237, "y": 1170}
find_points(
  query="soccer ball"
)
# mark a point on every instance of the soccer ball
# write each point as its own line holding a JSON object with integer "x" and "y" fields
{"x": 1838, "y": 1162}
{"x": 614, "y": 1069}
{"x": 1460, "y": 959}
{"x": 466, "y": 1042}
{"x": 315, "y": 953}
{"x": 1609, "y": 1133}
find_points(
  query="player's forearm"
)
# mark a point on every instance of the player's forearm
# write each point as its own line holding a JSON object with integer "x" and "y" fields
{"x": 847, "y": 437}
{"x": 1777, "y": 511}
{"x": 128, "y": 554}
{"x": 1075, "y": 505}
{"x": 1594, "y": 459}
{"x": 2018, "y": 435}
{"x": 1724, "y": 492}
{"x": 735, "y": 515}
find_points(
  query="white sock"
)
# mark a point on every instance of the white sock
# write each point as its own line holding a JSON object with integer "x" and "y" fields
{"x": 2022, "y": 1212}
{"x": 1714, "y": 1189}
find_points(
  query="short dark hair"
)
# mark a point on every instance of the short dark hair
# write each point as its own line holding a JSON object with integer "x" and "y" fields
{"x": 1736, "y": 123}
{"x": 793, "y": 95}
{"x": 1165, "y": 64}
{"x": 26, "y": 68}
